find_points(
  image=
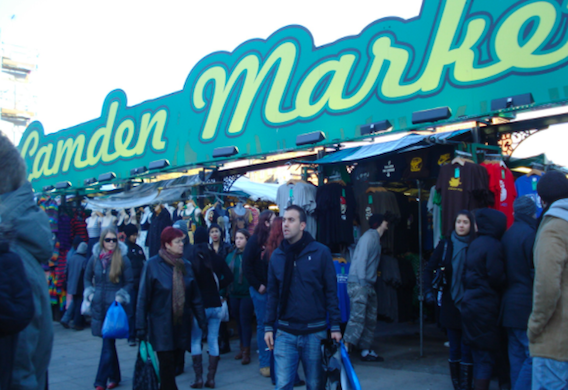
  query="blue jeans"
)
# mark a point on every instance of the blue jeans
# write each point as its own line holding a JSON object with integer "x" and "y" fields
{"x": 458, "y": 350}
{"x": 289, "y": 350}
{"x": 519, "y": 359}
{"x": 213, "y": 315}
{"x": 242, "y": 310}
{"x": 259, "y": 301}
{"x": 272, "y": 370}
{"x": 483, "y": 363}
{"x": 109, "y": 369}
{"x": 549, "y": 374}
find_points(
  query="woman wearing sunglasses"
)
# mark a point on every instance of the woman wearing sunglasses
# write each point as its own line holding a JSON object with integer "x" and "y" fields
{"x": 108, "y": 278}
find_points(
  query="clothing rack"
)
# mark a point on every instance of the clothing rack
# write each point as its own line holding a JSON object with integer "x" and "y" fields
{"x": 460, "y": 153}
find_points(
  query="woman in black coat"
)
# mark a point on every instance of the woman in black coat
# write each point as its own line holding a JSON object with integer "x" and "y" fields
{"x": 484, "y": 279}
{"x": 168, "y": 295}
{"x": 450, "y": 255}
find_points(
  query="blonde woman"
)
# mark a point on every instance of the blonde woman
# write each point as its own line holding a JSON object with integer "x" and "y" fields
{"x": 108, "y": 278}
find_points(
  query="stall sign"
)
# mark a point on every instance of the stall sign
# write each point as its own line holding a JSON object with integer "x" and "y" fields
{"x": 259, "y": 98}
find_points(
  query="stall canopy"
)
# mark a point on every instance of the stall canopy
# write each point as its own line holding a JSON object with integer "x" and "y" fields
{"x": 256, "y": 191}
{"x": 404, "y": 144}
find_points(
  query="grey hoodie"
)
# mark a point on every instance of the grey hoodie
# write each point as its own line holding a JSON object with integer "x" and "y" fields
{"x": 33, "y": 243}
{"x": 365, "y": 260}
{"x": 559, "y": 209}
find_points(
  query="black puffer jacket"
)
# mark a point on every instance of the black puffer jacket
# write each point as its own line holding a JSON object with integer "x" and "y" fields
{"x": 137, "y": 261}
{"x": 518, "y": 244}
{"x": 157, "y": 224}
{"x": 154, "y": 312}
{"x": 484, "y": 279}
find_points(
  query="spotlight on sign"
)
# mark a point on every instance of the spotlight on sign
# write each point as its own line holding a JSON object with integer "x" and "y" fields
{"x": 512, "y": 101}
{"x": 138, "y": 171}
{"x": 90, "y": 181}
{"x": 377, "y": 127}
{"x": 310, "y": 138}
{"x": 48, "y": 188}
{"x": 433, "y": 115}
{"x": 226, "y": 151}
{"x": 158, "y": 164}
{"x": 62, "y": 185}
{"x": 106, "y": 177}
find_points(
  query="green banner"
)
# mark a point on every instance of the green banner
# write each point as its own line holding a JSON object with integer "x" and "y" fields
{"x": 456, "y": 53}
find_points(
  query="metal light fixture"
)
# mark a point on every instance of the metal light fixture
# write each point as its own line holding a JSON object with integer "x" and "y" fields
{"x": 433, "y": 115}
{"x": 310, "y": 138}
{"x": 376, "y": 127}
{"x": 106, "y": 177}
{"x": 512, "y": 101}
{"x": 62, "y": 185}
{"x": 158, "y": 164}
{"x": 90, "y": 181}
{"x": 48, "y": 188}
{"x": 225, "y": 151}
{"x": 138, "y": 171}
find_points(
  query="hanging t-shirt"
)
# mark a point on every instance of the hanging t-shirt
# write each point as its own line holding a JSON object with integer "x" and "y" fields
{"x": 502, "y": 184}
{"x": 378, "y": 203}
{"x": 342, "y": 272}
{"x": 462, "y": 187}
{"x": 417, "y": 165}
{"x": 335, "y": 214}
{"x": 436, "y": 211}
{"x": 302, "y": 194}
{"x": 526, "y": 185}
{"x": 390, "y": 168}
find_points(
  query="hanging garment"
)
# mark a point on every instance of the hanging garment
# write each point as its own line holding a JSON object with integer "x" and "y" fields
{"x": 302, "y": 194}
{"x": 436, "y": 210}
{"x": 462, "y": 188}
{"x": 335, "y": 214}
{"x": 79, "y": 226}
{"x": 342, "y": 272}
{"x": 51, "y": 208}
{"x": 526, "y": 185}
{"x": 502, "y": 184}
{"x": 369, "y": 203}
{"x": 388, "y": 281}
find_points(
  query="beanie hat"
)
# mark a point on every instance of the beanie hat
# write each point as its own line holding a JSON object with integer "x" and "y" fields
{"x": 76, "y": 241}
{"x": 552, "y": 186}
{"x": 181, "y": 225}
{"x": 82, "y": 248}
{"x": 524, "y": 206}
{"x": 200, "y": 236}
{"x": 169, "y": 234}
{"x": 375, "y": 220}
{"x": 130, "y": 230}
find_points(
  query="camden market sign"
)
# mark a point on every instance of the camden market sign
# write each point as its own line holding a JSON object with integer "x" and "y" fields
{"x": 456, "y": 53}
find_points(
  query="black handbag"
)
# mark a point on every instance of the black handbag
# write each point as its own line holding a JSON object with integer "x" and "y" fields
{"x": 145, "y": 373}
{"x": 439, "y": 282}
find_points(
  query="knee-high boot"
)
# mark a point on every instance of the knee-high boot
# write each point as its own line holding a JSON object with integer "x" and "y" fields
{"x": 466, "y": 376}
{"x": 198, "y": 368}
{"x": 455, "y": 374}
{"x": 212, "y": 370}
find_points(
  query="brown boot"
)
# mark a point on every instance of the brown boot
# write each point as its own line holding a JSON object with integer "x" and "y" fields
{"x": 239, "y": 355}
{"x": 212, "y": 370}
{"x": 198, "y": 368}
{"x": 246, "y": 356}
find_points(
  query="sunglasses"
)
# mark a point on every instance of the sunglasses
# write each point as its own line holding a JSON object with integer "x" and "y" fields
{"x": 111, "y": 240}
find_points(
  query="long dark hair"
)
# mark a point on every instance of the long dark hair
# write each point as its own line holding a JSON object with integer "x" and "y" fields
{"x": 274, "y": 238}
{"x": 471, "y": 218}
{"x": 261, "y": 230}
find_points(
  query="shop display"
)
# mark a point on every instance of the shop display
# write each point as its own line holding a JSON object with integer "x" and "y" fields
{"x": 335, "y": 214}
{"x": 526, "y": 185}
{"x": 300, "y": 193}
{"x": 502, "y": 184}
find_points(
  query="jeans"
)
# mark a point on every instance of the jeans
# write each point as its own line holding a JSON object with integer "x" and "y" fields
{"x": 519, "y": 359}
{"x": 549, "y": 374}
{"x": 167, "y": 370}
{"x": 458, "y": 350}
{"x": 272, "y": 370}
{"x": 109, "y": 369}
{"x": 78, "y": 320}
{"x": 289, "y": 350}
{"x": 483, "y": 363}
{"x": 213, "y": 315}
{"x": 259, "y": 301}
{"x": 242, "y": 310}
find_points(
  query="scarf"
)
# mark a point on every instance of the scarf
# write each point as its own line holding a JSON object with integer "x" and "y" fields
{"x": 460, "y": 243}
{"x": 292, "y": 251}
{"x": 106, "y": 258}
{"x": 178, "y": 285}
{"x": 236, "y": 253}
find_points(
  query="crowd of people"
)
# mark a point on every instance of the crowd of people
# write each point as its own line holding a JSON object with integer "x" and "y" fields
{"x": 492, "y": 286}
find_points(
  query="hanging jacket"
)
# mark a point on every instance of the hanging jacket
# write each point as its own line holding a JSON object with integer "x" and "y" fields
{"x": 105, "y": 292}
{"x": 154, "y": 313}
{"x": 33, "y": 243}
{"x": 484, "y": 280}
{"x": 518, "y": 243}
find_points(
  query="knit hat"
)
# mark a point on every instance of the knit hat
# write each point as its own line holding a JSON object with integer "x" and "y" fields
{"x": 169, "y": 234}
{"x": 524, "y": 206}
{"x": 181, "y": 225}
{"x": 200, "y": 236}
{"x": 375, "y": 220}
{"x": 552, "y": 186}
{"x": 130, "y": 230}
{"x": 82, "y": 248}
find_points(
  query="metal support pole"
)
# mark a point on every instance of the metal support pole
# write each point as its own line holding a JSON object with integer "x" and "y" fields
{"x": 421, "y": 293}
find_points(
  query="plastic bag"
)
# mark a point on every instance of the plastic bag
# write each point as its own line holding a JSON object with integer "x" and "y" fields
{"x": 351, "y": 376}
{"x": 115, "y": 325}
{"x": 146, "y": 374}
{"x": 224, "y": 311}
{"x": 86, "y": 307}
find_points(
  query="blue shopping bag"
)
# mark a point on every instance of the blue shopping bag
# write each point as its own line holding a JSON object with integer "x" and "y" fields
{"x": 351, "y": 375}
{"x": 115, "y": 325}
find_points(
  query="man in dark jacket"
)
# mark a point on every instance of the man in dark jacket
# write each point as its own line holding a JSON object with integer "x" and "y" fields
{"x": 137, "y": 261}
{"x": 518, "y": 244}
{"x": 75, "y": 286}
{"x": 300, "y": 268}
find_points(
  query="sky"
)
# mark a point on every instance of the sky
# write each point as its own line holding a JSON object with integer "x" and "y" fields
{"x": 147, "y": 48}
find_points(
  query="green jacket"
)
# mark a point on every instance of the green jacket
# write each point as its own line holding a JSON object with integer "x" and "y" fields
{"x": 33, "y": 243}
{"x": 240, "y": 286}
